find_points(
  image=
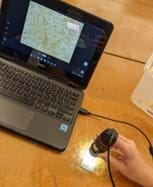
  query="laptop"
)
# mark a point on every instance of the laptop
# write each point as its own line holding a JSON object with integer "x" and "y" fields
{"x": 48, "y": 53}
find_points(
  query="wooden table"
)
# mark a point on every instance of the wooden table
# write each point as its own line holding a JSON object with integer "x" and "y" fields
{"x": 133, "y": 21}
{"x": 25, "y": 163}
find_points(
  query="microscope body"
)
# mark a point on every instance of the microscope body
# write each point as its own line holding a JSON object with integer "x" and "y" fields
{"x": 103, "y": 141}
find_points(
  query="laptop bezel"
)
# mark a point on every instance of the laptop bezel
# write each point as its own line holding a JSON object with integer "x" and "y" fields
{"x": 87, "y": 17}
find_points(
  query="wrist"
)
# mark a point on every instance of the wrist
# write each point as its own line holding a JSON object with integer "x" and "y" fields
{"x": 148, "y": 178}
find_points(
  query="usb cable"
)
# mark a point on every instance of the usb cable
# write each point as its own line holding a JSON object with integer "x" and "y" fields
{"x": 85, "y": 112}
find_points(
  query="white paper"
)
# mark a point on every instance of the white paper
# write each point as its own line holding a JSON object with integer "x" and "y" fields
{"x": 149, "y": 64}
{"x": 143, "y": 94}
{"x": 88, "y": 162}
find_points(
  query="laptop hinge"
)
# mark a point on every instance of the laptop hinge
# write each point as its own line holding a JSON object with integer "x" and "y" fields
{"x": 73, "y": 85}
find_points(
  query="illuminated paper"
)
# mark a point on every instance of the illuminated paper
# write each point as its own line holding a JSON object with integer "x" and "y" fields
{"x": 88, "y": 162}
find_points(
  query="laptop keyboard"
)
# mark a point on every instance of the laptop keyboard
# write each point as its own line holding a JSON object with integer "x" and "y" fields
{"x": 38, "y": 93}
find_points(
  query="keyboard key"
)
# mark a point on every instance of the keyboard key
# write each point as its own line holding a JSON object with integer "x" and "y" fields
{"x": 52, "y": 111}
{"x": 37, "y": 105}
{"x": 41, "y": 94}
{"x": 14, "y": 96}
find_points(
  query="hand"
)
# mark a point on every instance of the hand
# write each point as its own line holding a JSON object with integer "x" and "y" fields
{"x": 129, "y": 162}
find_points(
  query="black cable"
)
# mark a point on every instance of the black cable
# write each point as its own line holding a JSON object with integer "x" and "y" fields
{"x": 108, "y": 161}
{"x": 86, "y": 112}
{"x": 109, "y": 167}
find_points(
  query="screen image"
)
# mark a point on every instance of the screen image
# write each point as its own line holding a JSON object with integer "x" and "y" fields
{"x": 53, "y": 37}
{"x": 51, "y": 32}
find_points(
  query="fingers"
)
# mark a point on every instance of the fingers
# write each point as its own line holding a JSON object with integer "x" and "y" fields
{"x": 123, "y": 148}
{"x": 124, "y": 144}
{"x": 121, "y": 144}
{"x": 116, "y": 153}
{"x": 123, "y": 138}
{"x": 117, "y": 163}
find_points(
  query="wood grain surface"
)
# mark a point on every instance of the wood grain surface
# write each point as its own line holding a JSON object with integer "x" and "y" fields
{"x": 133, "y": 25}
{"x": 25, "y": 163}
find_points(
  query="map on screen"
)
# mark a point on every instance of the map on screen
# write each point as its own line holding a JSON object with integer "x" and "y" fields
{"x": 51, "y": 32}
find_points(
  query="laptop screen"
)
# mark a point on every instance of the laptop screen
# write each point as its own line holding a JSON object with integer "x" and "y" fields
{"x": 53, "y": 36}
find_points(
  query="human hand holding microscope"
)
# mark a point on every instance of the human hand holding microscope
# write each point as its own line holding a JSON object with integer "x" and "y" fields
{"x": 129, "y": 162}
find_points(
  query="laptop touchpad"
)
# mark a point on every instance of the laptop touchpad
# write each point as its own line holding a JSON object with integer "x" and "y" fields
{"x": 13, "y": 114}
